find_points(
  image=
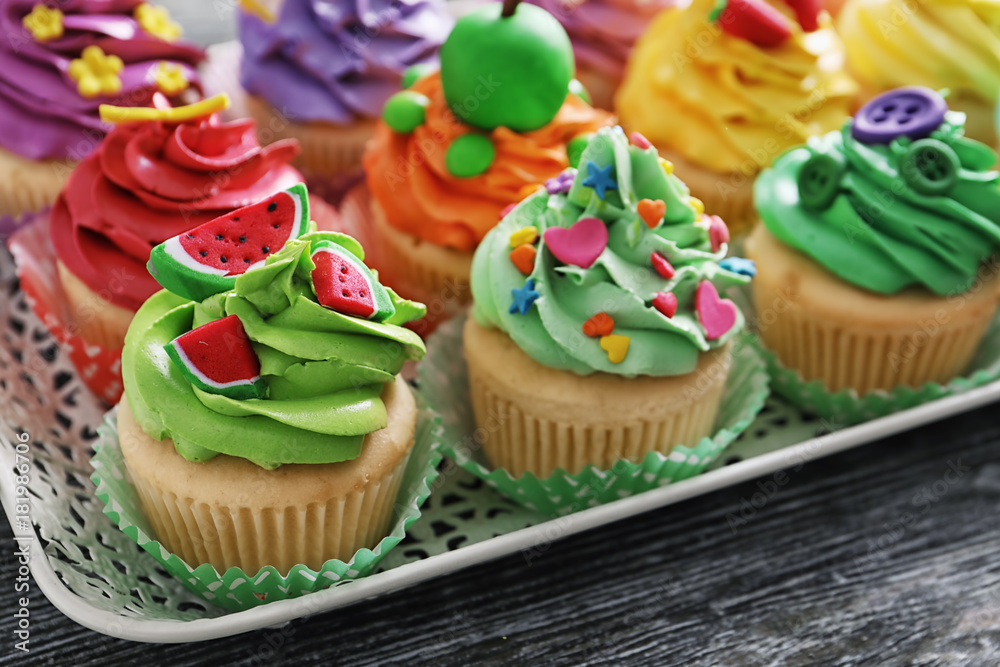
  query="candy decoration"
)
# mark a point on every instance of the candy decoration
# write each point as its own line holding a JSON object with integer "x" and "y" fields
{"x": 640, "y": 141}
{"x": 343, "y": 283}
{"x": 913, "y": 111}
{"x": 661, "y": 265}
{"x": 96, "y": 73}
{"x": 507, "y": 209}
{"x": 930, "y": 167}
{"x": 170, "y": 78}
{"x": 523, "y": 257}
{"x": 416, "y": 72}
{"x": 718, "y": 232}
{"x": 575, "y": 148}
{"x": 156, "y": 21}
{"x": 740, "y": 265}
{"x": 524, "y": 235}
{"x": 666, "y": 303}
{"x": 44, "y": 23}
{"x": 651, "y": 211}
{"x": 819, "y": 180}
{"x": 697, "y": 204}
{"x": 207, "y": 259}
{"x": 405, "y": 111}
{"x": 806, "y": 13}
{"x": 753, "y": 20}
{"x": 717, "y": 315}
{"x": 524, "y": 297}
{"x": 182, "y": 114}
{"x": 616, "y": 346}
{"x": 469, "y": 155}
{"x": 600, "y": 179}
{"x": 561, "y": 183}
{"x": 579, "y": 245}
{"x": 599, "y": 325}
{"x": 259, "y": 9}
{"x": 218, "y": 358}
{"x": 668, "y": 166}
{"x": 508, "y": 71}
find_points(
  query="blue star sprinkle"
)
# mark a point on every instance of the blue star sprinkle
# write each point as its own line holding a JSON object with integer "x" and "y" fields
{"x": 600, "y": 179}
{"x": 744, "y": 267}
{"x": 524, "y": 297}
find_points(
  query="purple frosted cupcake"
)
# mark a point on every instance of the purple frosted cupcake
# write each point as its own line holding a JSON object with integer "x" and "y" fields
{"x": 59, "y": 61}
{"x": 323, "y": 69}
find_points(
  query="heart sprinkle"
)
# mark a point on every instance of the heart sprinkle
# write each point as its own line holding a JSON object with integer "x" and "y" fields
{"x": 616, "y": 346}
{"x": 640, "y": 141}
{"x": 661, "y": 265}
{"x": 717, "y": 315}
{"x": 599, "y": 325}
{"x": 579, "y": 245}
{"x": 651, "y": 211}
{"x": 718, "y": 233}
{"x": 523, "y": 257}
{"x": 666, "y": 303}
{"x": 524, "y": 235}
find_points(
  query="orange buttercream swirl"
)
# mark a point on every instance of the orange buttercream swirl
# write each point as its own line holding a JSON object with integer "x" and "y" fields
{"x": 408, "y": 178}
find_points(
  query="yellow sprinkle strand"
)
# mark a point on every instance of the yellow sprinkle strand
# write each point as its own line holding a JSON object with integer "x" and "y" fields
{"x": 113, "y": 114}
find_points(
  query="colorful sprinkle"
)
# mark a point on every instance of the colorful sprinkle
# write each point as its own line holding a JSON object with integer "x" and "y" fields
{"x": 640, "y": 141}
{"x": 697, "y": 204}
{"x": 170, "y": 79}
{"x": 651, "y": 211}
{"x": 523, "y": 257}
{"x": 44, "y": 23}
{"x": 666, "y": 303}
{"x": 561, "y": 183}
{"x": 600, "y": 179}
{"x": 507, "y": 209}
{"x": 668, "y": 166}
{"x": 740, "y": 265}
{"x": 579, "y": 245}
{"x": 156, "y": 21}
{"x": 96, "y": 73}
{"x": 718, "y": 233}
{"x": 717, "y": 315}
{"x": 524, "y": 297}
{"x": 164, "y": 113}
{"x": 599, "y": 325}
{"x": 524, "y": 235}
{"x": 661, "y": 265}
{"x": 616, "y": 346}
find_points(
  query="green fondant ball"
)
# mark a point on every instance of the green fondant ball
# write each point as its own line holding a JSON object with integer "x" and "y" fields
{"x": 577, "y": 89}
{"x": 469, "y": 155}
{"x": 415, "y": 73}
{"x": 405, "y": 111}
{"x": 507, "y": 71}
{"x": 575, "y": 148}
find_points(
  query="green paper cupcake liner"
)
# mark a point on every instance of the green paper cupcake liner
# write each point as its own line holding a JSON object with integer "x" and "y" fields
{"x": 846, "y": 407}
{"x": 235, "y": 589}
{"x": 443, "y": 385}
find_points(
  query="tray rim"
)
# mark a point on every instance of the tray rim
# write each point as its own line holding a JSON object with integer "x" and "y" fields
{"x": 281, "y": 612}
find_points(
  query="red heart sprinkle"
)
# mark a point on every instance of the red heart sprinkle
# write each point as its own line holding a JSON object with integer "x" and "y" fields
{"x": 599, "y": 325}
{"x": 651, "y": 211}
{"x": 662, "y": 266}
{"x": 666, "y": 303}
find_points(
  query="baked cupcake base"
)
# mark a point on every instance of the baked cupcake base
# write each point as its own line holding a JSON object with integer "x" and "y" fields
{"x": 28, "y": 186}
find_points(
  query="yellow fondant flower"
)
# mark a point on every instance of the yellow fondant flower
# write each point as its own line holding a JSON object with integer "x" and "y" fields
{"x": 156, "y": 21}
{"x": 96, "y": 73}
{"x": 44, "y": 23}
{"x": 170, "y": 78}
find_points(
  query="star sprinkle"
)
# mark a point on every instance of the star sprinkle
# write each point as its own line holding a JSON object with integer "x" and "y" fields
{"x": 156, "y": 21}
{"x": 616, "y": 346}
{"x": 740, "y": 265}
{"x": 600, "y": 179}
{"x": 44, "y": 23}
{"x": 96, "y": 73}
{"x": 170, "y": 78}
{"x": 524, "y": 298}
{"x": 561, "y": 183}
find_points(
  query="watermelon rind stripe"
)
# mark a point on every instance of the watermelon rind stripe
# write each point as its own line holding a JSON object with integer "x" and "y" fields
{"x": 210, "y": 385}
{"x": 173, "y": 249}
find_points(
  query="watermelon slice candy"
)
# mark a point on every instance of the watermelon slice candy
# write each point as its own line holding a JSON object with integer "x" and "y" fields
{"x": 218, "y": 358}
{"x": 753, "y": 20}
{"x": 343, "y": 283}
{"x": 207, "y": 259}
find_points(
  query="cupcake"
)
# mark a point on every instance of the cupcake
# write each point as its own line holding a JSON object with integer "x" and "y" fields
{"x": 61, "y": 62}
{"x": 876, "y": 248}
{"x": 603, "y": 33}
{"x": 266, "y": 424}
{"x": 953, "y": 44}
{"x": 322, "y": 71}
{"x": 739, "y": 86}
{"x": 459, "y": 146}
{"x": 598, "y": 329}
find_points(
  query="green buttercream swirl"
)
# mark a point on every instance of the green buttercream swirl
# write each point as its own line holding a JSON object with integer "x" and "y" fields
{"x": 621, "y": 282}
{"x": 879, "y": 233}
{"x": 325, "y": 371}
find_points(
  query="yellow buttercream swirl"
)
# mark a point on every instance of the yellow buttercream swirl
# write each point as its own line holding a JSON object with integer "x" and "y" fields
{"x": 726, "y": 104}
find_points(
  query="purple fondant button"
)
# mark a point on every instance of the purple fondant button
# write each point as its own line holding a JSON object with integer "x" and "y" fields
{"x": 912, "y": 112}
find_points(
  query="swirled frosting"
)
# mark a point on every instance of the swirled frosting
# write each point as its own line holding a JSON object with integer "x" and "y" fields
{"x": 732, "y": 106}
{"x": 42, "y": 113}
{"x": 324, "y": 371}
{"x": 878, "y": 232}
{"x": 621, "y": 282}
{"x": 407, "y": 175}
{"x": 338, "y": 60}
{"x": 951, "y": 44}
{"x": 149, "y": 181}
{"x": 603, "y": 31}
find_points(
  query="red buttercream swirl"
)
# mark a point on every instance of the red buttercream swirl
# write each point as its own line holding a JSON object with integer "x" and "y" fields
{"x": 149, "y": 181}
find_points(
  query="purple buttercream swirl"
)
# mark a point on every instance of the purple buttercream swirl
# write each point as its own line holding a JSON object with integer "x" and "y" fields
{"x": 337, "y": 60}
{"x": 42, "y": 116}
{"x": 604, "y": 31}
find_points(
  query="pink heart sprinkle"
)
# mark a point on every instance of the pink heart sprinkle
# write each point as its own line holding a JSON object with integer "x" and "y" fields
{"x": 579, "y": 245}
{"x": 666, "y": 303}
{"x": 717, "y": 315}
{"x": 662, "y": 266}
{"x": 718, "y": 233}
{"x": 640, "y": 141}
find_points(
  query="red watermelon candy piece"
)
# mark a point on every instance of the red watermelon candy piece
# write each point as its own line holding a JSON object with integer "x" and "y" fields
{"x": 218, "y": 358}
{"x": 343, "y": 283}
{"x": 753, "y": 20}
{"x": 207, "y": 260}
{"x": 806, "y": 13}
